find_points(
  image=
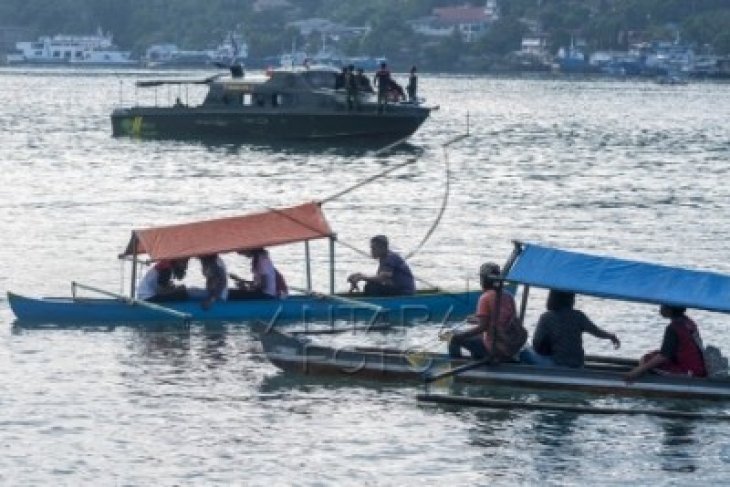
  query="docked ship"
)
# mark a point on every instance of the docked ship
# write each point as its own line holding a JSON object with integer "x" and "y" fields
{"x": 91, "y": 50}
{"x": 287, "y": 104}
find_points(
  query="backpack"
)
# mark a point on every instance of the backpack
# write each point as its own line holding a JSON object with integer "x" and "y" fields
{"x": 716, "y": 364}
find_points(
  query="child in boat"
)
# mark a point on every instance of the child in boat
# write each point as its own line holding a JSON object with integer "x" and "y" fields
{"x": 558, "y": 337}
{"x": 481, "y": 340}
{"x": 681, "y": 351}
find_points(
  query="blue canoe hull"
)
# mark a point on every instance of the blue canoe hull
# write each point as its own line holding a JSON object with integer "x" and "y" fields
{"x": 422, "y": 307}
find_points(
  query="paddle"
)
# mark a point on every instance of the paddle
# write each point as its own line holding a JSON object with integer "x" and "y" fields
{"x": 186, "y": 317}
{"x": 458, "y": 370}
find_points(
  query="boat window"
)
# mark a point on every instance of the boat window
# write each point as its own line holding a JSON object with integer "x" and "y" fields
{"x": 281, "y": 99}
{"x": 246, "y": 99}
{"x": 56, "y": 53}
{"x": 321, "y": 79}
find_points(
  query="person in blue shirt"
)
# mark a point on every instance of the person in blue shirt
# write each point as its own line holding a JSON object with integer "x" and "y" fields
{"x": 393, "y": 277}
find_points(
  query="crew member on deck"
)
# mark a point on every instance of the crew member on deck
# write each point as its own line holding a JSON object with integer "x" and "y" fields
{"x": 383, "y": 82}
{"x": 393, "y": 277}
{"x": 157, "y": 283}
{"x": 267, "y": 282}
{"x": 412, "y": 86}
{"x": 363, "y": 82}
{"x": 681, "y": 351}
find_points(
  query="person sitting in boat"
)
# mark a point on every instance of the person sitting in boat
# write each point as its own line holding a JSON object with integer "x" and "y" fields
{"x": 393, "y": 277}
{"x": 558, "y": 337}
{"x": 158, "y": 282}
{"x": 681, "y": 350}
{"x": 479, "y": 340}
{"x": 216, "y": 281}
{"x": 267, "y": 282}
{"x": 363, "y": 82}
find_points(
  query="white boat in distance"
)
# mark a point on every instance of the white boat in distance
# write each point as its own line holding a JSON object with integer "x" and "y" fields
{"x": 91, "y": 50}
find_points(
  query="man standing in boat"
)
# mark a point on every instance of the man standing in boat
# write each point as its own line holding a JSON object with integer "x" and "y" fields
{"x": 393, "y": 277}
{"x": 383, "y": 81}
{"x": 351, "y": 88}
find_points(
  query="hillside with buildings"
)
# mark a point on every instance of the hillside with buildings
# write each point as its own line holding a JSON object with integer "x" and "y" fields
{"x": 438, "y": 35}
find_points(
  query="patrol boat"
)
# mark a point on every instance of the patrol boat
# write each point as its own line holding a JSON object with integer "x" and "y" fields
{"x": 286, "y": 104}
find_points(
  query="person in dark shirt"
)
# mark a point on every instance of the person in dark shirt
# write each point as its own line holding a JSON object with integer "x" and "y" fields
{"x": 558, "y": 337}
{"x": 363, "y": 82}
{"x": 383, "y": 82}
{"x": 393, "y": 277}
{"x": 340, "y": 79}
{"x": 412, "y": 86}
{"x": 351, "y": 88}
{"x": 681, "y": 350}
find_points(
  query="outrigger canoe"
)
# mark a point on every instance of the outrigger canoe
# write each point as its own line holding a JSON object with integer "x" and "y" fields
{"x": 549, "y": 268}
{"x": 265, "y": 229}
{"x": 299, "y": 355}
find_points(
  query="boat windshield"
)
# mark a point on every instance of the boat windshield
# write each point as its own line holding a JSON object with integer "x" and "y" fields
{"x": 321, "y": 79}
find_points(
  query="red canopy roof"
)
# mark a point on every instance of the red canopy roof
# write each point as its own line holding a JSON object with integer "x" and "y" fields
{"x": 266, "y": 229}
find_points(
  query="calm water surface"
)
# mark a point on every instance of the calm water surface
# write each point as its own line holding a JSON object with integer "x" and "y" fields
{"x": 629, "y": 169}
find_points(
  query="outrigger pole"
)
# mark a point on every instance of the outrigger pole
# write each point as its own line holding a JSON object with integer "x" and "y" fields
{"x": 554, "y": 406}
{"x": 131, "y": 301}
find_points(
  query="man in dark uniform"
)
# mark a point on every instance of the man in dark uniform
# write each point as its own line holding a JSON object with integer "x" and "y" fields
{"x": 383, "y": 81}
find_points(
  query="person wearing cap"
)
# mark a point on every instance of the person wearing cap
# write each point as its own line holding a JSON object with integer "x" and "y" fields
{"x": 558, "y": 337}
{"x": 157, "y": 283}
{"x": 393, "y": 277}
{"x": 496, "y": 332}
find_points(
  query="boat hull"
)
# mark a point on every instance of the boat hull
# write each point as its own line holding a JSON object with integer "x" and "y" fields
{"x": 295, "y": 355}
{"x": 397, "y": 309}
{"x": 232, "y": 124}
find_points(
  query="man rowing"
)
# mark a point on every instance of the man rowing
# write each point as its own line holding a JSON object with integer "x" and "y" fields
{"x": 393, "y": 277}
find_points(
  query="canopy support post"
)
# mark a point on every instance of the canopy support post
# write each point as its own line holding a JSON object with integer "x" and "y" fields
{"x": 308, "y": 265}
{"x": 523, "y": 304}
{"x": 133, "y": 280}
{"x": 332, "y": 264}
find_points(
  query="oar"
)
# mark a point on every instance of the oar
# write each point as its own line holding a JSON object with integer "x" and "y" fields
{"x": 186, "y": 317}
{"x": 457, "y": 370}
{"x": 553, "y": 406}
{"x": 351, "y": 302}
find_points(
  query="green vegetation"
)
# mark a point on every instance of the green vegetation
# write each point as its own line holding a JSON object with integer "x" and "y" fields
{"x": 604, "y": 24}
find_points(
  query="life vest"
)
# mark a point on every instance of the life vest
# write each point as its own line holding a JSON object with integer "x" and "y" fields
{"x": 689, "y": 359}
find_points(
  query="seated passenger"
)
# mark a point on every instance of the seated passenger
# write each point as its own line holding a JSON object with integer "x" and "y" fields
{"x": 267, "y": 282}
{"x": 558, "y": 337}
{"x": 681, "y": 351}
{"x": 479, "y": 340}
{"x": 393, "y": 277}
{"x": 216, "y": 281}
{"x": 157, "y": 283}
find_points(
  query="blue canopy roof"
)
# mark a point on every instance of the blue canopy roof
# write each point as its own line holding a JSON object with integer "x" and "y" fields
{"x": 620, "y": 279}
